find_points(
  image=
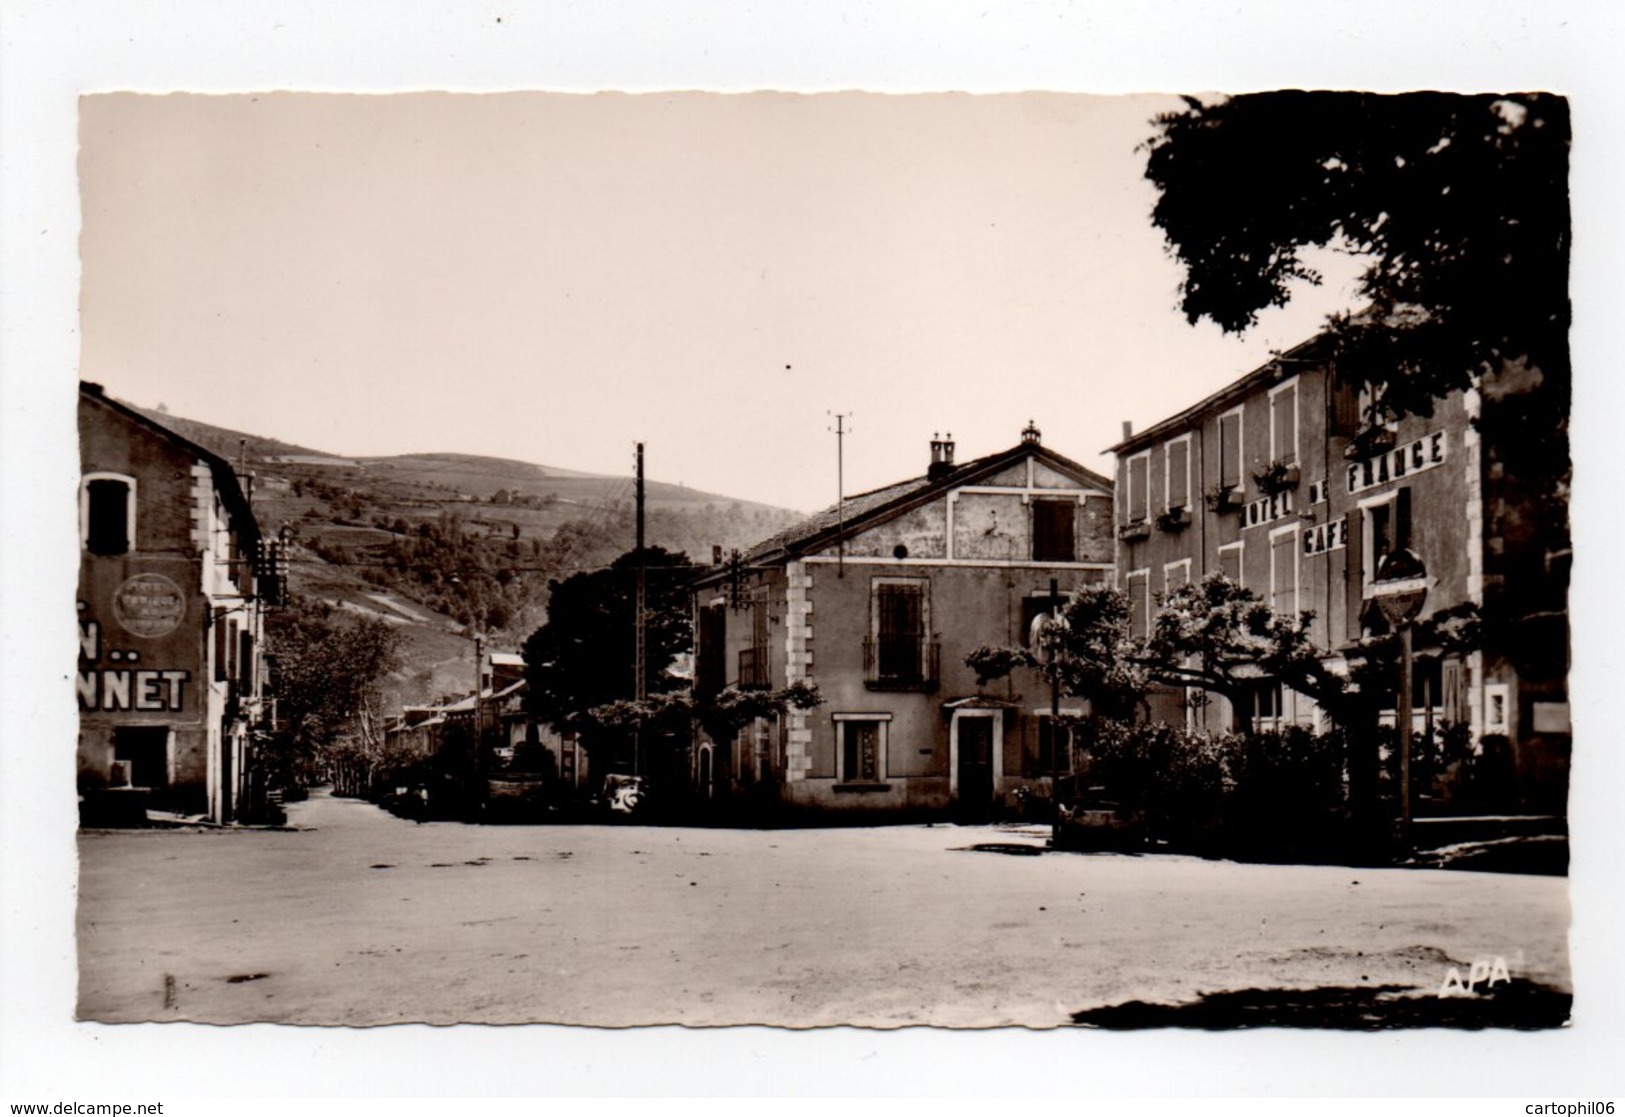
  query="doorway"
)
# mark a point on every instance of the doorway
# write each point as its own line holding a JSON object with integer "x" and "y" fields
{"x": 973, "y": 767}
{"x": 146, "y": 749}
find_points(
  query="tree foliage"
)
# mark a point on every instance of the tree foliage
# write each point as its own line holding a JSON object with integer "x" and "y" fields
{"x": 1087, "y": 650}
{"x": 1214, "y": 635}
{"x": 721, "y": 715}
{"x": 326, "y": 674}
{"x": 1457, "y": 204}
{"x": 582, "y": 658}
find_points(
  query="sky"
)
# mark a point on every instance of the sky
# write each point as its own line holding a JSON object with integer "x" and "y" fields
{"x": 926, "y": 266}
{"x": 554, "y": 277}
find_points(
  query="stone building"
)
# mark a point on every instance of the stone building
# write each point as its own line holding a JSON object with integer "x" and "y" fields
{"x": 877, "y": 601}
{"x": 1292, "y": 482}
{"x": 170, "y": 618}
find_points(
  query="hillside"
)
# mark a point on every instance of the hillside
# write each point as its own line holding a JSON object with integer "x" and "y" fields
{"x": 440, "y": 545}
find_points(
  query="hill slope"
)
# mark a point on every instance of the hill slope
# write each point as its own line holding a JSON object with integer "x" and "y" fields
{"x": 440, "y": 545}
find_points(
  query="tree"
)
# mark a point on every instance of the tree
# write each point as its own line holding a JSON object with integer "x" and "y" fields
{"x": 1220, "y": 637}
{"x": 582, "y": 658}
{"x": 1087, "y": 650}
{"x": 1458, "y": 204}
{"x": 325, "y": 680}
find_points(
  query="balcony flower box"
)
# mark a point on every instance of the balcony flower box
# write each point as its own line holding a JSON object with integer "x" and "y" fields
{"x": 1222, "y": 498}
{"x": 1277, "y": 477}
{"x": 1133, "y": 533}
{"x": 1174, "y": 519}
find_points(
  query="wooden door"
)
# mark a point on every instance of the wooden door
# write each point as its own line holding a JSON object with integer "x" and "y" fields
{"x": 975, "y": 802}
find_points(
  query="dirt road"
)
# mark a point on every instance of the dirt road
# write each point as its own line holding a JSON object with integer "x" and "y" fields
{"x": 363, "y": 918}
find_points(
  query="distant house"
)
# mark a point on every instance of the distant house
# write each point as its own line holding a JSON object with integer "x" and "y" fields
{"x": 877, "y": 601}
{"x": 1291, "y": 482}
{"x": 171, "y": 581}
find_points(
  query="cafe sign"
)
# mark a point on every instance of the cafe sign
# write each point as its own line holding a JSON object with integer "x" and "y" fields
{"x": 1402, "y": 461}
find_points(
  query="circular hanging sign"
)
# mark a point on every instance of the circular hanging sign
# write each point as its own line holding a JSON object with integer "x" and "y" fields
{"x": 149, "y": 605}
{"x": 1400, "y": 587}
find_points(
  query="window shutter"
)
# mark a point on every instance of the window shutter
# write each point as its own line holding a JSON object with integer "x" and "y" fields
{"x": 1138, "y": 494}
{"x": 1230, "y": 450}
{"x": 1284, "y": 412}
{"x": 245, "y": 660}
{"x": 1179, "y": 456}
{"x": 220, "y": 674}
{"x": 1453, "y": 684}
{"x": 108, "y": 530}
{"x": 1402, "y": 519}
{"x": 1354, "y": 572}
{"x": 1345, "y": 408}
{"x": 1053, "y": 536}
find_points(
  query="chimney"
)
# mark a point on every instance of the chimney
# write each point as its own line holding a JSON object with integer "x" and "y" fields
{"x": 1128, "y": 430}
{"x": 942, "y": 456}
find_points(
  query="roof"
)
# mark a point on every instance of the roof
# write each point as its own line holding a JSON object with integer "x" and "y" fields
{"x": 1305, "y": 352}
{"x": 225, "y": 477}
{"x": 860, "y": 512}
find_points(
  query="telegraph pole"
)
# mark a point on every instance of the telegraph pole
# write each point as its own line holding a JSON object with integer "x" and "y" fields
{"x": 639, "y": 622}
{"x": 840, "y": 491}
{"x": 1051, "y": 655}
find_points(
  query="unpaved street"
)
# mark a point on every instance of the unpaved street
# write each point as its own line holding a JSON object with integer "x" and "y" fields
{"x": 363, "y": 918}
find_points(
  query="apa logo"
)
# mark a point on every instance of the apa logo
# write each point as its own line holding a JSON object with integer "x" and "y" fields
{"x": 1489, "y": 971}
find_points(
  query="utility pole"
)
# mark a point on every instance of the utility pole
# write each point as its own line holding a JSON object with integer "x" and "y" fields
{"x": 841, "y": 432}
{"x": 479, "y": 682}
{"x": 1054, "y": 711}
{"x": 639, "y": 622}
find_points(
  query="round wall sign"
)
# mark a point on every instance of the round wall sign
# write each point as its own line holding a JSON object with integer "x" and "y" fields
{"x": 149, "y": 605}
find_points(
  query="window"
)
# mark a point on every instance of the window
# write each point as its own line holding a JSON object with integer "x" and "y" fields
{"x": 860, "y": 752}
{"x": 1284, "y": 423}
{"x": 1230, "y": 562}
{"x": 1266, "y": 704}
{"x": 898, "y": 652}
{"x": 107, "y": 513}
{"x": 753, "y": 661}
{"x": 1139, "y": 603}
{"x": 1053, "y": 536}
{"x": 710, "y": 666}
{"x": 1139, "y": 488}
{"x": 1044, "y": 762}
{"x": 1178, "y": 466}
{"x": 1230, "y": 449}
{"x": 1284, "y": 571}
{"x": 1386, "y": 528}
{"x": 1175, "y": 574}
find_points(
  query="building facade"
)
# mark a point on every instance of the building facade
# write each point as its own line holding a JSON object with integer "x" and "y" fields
{"x": 1291, "y": 482}
{"x": 877, "y": 601}
{"x": 170, "y": 617}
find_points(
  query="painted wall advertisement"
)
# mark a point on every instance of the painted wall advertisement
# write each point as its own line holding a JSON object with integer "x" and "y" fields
{"x": 140, "y": 639}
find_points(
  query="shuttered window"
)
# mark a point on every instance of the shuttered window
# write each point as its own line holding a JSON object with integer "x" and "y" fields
{"x": 107, "y": 516}
{"x": 1139, "y": 489}
{"x": 1284, "y": 425}
{"x": 1179, "y": 473}
{"x": 1230, "y": 449}
{"x": 1139, "y": 603}
{"x": 1284, "y": 573}
{"x": 1053, "y": 536}
{"x": 900, "y": 629}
